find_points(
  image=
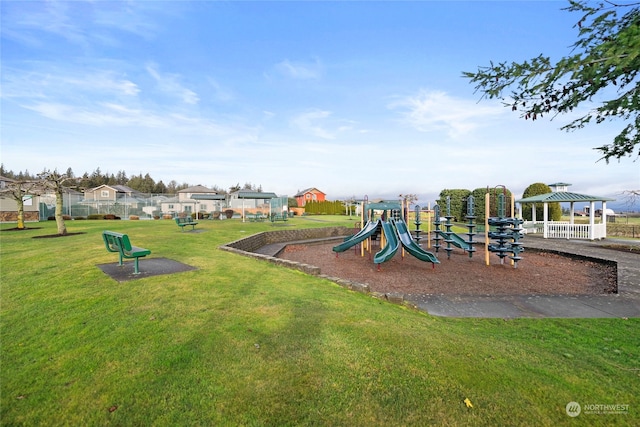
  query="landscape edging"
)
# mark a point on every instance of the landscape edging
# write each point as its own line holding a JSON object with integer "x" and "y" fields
{"x": 248, "y": 245}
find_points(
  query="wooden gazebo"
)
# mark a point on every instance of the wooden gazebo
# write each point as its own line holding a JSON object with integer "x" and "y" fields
{"x": 566, "y": 229}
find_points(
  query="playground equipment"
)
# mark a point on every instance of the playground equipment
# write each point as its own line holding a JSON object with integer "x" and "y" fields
{"x": 507, "y": 235}
{"x": 417, "y": 223}
{"x": 367, "y": 231}
{"x": 393, "y": 234}
{"x": 448, "y": 236}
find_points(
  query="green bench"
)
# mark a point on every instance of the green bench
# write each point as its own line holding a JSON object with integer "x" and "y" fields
{"x": 183, "y": 222}
{"x": 120, "y": 243}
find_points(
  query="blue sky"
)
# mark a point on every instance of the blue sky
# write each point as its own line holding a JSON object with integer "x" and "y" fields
{"x": 354, "y": 98}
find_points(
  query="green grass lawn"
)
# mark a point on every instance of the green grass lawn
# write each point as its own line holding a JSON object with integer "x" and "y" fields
{"x": 245, "y": 342}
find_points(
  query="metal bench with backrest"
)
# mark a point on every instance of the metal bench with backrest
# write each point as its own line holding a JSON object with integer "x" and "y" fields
{"x": 120, "y": 243}
{"x": 183, "y": 222}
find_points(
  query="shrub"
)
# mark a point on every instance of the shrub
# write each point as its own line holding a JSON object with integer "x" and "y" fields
{"x": 95, "y": 216}
{"x": 134, "y": 217}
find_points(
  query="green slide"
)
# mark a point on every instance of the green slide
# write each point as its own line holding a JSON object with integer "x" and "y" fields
{"x": 391, "y": 247}
{"x": 411, "y": 246}
{"x": 456, "y": 240}
{"x": 369, "y": 228}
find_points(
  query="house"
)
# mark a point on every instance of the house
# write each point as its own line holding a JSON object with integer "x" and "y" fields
{"x": 9, "y": 207}
{"x": 197, "y": 198}
{"x": 309, "y": 195}
{"x": 112, "y": 199}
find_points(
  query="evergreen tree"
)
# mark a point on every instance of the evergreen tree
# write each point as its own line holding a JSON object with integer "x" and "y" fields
{"x": 604, "y": 62}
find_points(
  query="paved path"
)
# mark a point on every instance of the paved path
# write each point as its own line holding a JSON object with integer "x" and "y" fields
{"x": 624, "y": 304}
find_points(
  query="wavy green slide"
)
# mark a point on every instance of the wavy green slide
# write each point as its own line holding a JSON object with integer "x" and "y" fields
{"x": 411, "y": 246}
{"x": 369, "y": 228}
{"x": 390, "y": 249}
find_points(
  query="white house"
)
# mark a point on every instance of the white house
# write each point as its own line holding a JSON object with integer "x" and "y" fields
{"x": 187, "y": 201}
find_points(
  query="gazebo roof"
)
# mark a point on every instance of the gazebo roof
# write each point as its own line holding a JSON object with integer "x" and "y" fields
{"x": 563, "y": 197}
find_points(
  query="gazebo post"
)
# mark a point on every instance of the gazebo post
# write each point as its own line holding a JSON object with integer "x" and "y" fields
{"x": 604, "y": 217}
{"x": 592, "y": 219}
{"x": 545, "y": 219}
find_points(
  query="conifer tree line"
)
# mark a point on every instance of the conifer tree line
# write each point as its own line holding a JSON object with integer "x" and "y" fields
{"x": 143, "y": 184}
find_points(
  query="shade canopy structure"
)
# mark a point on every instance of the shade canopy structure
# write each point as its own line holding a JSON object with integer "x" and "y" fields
{"x": 208, "y": 196}
{"x": 567, "y": 229}
{"x": 254, "y": 195}
{"x": 246, "y": 194}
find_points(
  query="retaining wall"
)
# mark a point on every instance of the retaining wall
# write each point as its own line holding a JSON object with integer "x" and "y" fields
{"x": 254, "y": 242}
{"x": 248, "y": 245}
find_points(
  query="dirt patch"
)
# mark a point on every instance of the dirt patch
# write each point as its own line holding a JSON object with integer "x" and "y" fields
{"x": 538, "y": 273}
{"x": 22, "y": 229}
{"x": 50, "y": 236}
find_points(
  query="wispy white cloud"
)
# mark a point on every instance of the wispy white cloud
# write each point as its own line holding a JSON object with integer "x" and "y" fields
{"x": 429, "y": 111}
{"x": 300, "y": 70}
{"x": 35, "y": 80}
{"x": 81, "y": 23}
{"x": 220, "y": 92}
{"x": 312, "y": 123}
{"x": 169, "y": 84}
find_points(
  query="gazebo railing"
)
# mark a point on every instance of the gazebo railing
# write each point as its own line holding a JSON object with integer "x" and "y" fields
{"x": 565, "y": 230}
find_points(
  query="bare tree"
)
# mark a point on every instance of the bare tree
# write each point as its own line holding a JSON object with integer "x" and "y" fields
{"x": 18, "y": 190}
{"x": 55, "y": 181}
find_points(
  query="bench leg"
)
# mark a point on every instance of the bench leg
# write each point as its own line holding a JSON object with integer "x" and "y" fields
{"x": 120, "y": 263}
{"x": 136, "y": 270}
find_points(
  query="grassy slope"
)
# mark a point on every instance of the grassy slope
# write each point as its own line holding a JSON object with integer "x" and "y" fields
{"x": 244, "y": 342}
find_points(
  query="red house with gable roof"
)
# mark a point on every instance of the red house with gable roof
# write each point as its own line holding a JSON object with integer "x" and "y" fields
{"x": 309, "y": 195}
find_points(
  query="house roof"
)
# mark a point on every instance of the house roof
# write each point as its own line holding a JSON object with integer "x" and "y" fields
{"x": 198, "y": 189}
{"x": 563, "y": 197}
{"x": 118, "y": 188}
{"x": 308, "y": 190}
